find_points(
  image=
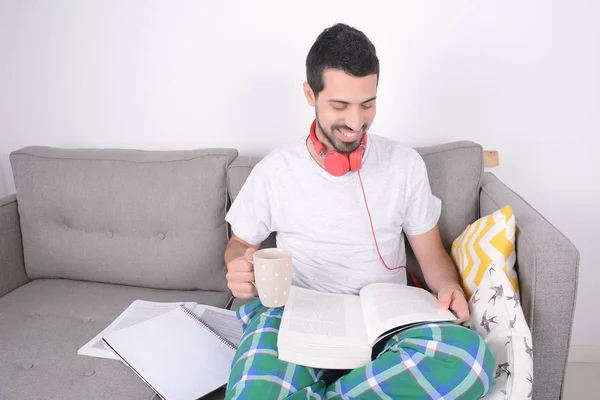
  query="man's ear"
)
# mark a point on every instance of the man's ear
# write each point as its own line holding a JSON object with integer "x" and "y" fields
{"x": 309, "y": 94}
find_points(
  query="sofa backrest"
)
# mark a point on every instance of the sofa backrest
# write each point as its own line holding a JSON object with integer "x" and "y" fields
{"x": 152, "y": 219}
{"x": 156, "y": 219}
{"x": 454, "y": 169}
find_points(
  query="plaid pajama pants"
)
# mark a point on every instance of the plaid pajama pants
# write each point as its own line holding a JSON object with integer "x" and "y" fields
{"x": 428, "y": 361}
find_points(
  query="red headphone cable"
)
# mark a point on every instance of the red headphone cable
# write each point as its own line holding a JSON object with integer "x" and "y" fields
{"x": 413, "y": 277}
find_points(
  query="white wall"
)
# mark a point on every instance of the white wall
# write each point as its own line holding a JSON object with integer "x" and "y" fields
{"x": 519, "y": 77}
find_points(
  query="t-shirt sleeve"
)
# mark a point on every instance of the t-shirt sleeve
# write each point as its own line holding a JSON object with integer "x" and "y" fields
{"x": 423, "y": 208}
{"x": 250, "y": 214}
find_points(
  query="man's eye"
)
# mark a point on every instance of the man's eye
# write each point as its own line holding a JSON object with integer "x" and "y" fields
{"x": 367, "y": 106}
{"x": 339, "y": 108}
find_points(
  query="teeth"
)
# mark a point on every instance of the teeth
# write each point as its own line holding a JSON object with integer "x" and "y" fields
{"x": 348, "y": 135}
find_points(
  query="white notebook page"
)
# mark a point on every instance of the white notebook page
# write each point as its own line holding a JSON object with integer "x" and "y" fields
{"x": 175, "y": 355}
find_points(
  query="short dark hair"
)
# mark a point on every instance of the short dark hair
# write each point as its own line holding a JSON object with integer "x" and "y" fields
{"x": 341, "y": 47}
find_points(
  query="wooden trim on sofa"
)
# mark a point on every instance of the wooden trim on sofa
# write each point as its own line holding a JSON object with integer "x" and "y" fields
{"x": 491, "y": 158}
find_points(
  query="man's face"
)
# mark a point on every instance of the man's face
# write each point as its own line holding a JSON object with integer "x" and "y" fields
{"x": 344, "y": 109}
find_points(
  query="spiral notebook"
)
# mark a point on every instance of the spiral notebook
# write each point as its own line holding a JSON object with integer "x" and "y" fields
{"x": 177, "y": 354}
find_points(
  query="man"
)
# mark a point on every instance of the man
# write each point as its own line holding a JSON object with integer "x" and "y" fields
{"x": 342, "y": 200}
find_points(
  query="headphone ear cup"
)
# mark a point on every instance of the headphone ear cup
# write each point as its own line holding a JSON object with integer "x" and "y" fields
{"x": 356, "y": 158}
{"x": 336, "y": 164}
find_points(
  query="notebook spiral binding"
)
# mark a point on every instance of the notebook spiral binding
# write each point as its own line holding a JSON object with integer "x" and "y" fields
{"x": 208, "y": 327}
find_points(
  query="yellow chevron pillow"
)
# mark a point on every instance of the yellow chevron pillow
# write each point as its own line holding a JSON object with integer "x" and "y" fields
{"x": 487, "y": 244}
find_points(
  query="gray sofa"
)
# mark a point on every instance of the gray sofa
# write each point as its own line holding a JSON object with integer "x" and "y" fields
{"x": 89, "y": 231}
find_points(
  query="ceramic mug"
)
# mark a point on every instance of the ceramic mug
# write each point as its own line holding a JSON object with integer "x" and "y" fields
{"x": 273, "y": 276}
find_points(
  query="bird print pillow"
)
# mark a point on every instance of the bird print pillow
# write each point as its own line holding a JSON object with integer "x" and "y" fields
{"x": 497, "y": 316}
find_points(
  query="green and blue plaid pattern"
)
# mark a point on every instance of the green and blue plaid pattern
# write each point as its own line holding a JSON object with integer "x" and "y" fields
{"x": 428, "y": 361}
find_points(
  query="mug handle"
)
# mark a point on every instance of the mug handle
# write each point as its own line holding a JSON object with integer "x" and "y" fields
{"x": 252, "y": 282}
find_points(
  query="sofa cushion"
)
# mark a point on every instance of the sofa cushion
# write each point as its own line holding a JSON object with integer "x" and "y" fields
{"x": 144, "y": 218}
{"x": 487, "y": 245}
{"x": 455, "y": 171}
{"x": 45, "y": 322}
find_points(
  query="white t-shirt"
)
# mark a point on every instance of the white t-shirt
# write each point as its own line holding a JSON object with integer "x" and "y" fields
{"x": 323, "y": 221}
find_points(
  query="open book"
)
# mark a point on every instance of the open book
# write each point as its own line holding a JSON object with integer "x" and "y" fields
{"x": 223, "y": 321}
{"x": 177, "y": 354}
{"x": 338, "y": 331}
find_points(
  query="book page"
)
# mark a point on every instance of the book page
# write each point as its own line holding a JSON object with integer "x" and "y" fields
{"x": 137, "y": 312}
{"x": 387, "y": 306}
{"x": 323, "y": 330}
{"x": 316, "y": 316}
{"x": 328, "y": 317}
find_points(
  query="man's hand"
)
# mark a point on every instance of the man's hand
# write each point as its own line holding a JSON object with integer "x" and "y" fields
{"x": 240, "y": 275}
{"x": 440, "y": 272}
{"x": 452, "y": 297}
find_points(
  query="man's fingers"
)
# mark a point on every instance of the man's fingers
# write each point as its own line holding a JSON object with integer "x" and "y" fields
{"x": 242, "y": 295}
{"x": 242, "y": 287}
{"x": 444, "y": 299}
{"x": 242, "y": 290}
{"x": 240, "y": 276}
{"x": 240, "y": 265}
{"x": 464, "y": 317}
{"x": 249, "y": 254}
{"x": 461, "y": 307}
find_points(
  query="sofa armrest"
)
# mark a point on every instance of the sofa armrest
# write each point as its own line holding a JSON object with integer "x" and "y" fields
{"x": 547, "y": 264}
{"x": 12, "y": 266}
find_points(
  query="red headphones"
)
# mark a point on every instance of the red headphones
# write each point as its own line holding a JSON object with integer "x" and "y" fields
{"x": 336, "y": 163}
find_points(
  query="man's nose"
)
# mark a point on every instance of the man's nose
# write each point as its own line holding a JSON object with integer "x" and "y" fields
{"x": 354, "y": 120}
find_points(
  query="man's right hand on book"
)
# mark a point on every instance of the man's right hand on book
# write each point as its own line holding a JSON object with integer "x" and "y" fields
{"x": 240, "y": 275}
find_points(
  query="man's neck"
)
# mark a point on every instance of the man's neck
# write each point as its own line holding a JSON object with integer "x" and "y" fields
{"x": 313, "y": 153}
